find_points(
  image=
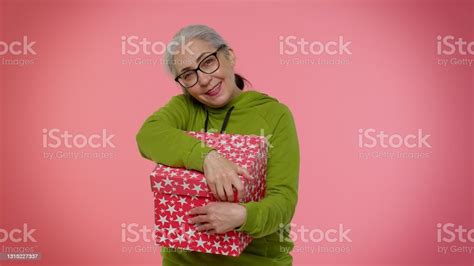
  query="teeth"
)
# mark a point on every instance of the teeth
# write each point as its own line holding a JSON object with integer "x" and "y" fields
{"x": 213, "y": 89}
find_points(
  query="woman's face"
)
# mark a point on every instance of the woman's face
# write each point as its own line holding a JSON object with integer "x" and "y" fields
{"x": 216, "y": 89}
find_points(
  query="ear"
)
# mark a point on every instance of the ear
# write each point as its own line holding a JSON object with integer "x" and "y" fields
{"x": 231, "y": 56}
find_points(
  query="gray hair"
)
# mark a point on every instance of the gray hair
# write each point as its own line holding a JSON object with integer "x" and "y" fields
{"x": 186, "y": 34}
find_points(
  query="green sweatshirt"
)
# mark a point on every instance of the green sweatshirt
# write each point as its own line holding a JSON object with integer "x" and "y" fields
{"x": 162, "y": 139}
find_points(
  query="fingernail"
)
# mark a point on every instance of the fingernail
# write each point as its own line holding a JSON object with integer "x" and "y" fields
{"x": 190, "y": 221}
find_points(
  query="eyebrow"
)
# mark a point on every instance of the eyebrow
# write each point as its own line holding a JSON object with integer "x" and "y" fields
{"x": 197, "y": 60}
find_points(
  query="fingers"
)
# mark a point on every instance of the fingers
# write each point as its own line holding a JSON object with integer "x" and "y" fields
{"x": 202, "y": 222}
{"x": 199, "y": 219}
{"x": 225, "y": 190}
{"x": 220, "y": 192}
{"x": 204, "y": 227}
{"x": 244, "y": 173}
{"x": 237, "y": 196}
{"x": 198, "y": 210}
{"x": 213, "y": 189}
{"x": 239, "y": 187}
{"x": 229, "y": 192}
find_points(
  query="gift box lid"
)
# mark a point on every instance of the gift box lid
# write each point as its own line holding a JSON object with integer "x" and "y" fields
{"x": 247, "y": 151}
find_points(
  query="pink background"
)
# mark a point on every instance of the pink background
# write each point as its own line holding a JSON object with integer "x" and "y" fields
{"x": 391, "y": 83}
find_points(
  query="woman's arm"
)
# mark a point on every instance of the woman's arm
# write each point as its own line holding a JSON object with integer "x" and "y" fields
{"x": 277, "y": 208}
{"x": 162, "y": 137}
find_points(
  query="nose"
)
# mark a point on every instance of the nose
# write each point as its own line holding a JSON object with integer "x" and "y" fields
{"x": 203, "y": 79}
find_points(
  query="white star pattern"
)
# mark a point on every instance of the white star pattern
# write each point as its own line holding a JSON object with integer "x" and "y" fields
{"x": 226, "y": 238}
{"x": 234, "y": 247}
{"x": 182, "y": 201}
{"x": 179, "y": 219}
{"x": 163, "y": 238}
{"x": 200, "y": 243}
{"x": 180, "y": 238}
{"x": 163, "y": 201}
{"x": 177, "y": 190}
{"x": 171, "y": 230}
{"x": 217, "y": 245}
{"x": 185, "y": 185}
{"x": 171, "y": 209}
{"x": 197, "y": 188}
{"x": 157, "y": 185}
{"x": 175, "y": 196}
{"x": 190, "y": 232}
{"x": 163, "y": 219}
{"x": 167, "y": 181}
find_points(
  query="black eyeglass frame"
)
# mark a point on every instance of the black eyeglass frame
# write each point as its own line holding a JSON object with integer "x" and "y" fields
{"x": 199, "y": 68}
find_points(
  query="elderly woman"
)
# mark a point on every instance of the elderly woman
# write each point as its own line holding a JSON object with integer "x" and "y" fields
{"x": 214, "y": 99}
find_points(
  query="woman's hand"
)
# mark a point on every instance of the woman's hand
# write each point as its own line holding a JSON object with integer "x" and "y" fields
{"x": 222, "y": 176}
{"x": 218, "y": 217}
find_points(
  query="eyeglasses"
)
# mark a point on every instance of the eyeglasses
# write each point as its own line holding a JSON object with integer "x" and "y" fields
{"x": 208, "y": 65}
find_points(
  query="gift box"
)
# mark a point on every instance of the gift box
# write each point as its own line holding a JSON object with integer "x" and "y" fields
{"x": 177, "y": 190}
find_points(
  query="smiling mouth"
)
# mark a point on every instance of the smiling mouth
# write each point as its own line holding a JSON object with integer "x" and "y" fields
{"x": 215, "y": 90}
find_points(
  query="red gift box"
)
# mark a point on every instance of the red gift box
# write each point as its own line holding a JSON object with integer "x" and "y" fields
{"x": 177, "y": 190}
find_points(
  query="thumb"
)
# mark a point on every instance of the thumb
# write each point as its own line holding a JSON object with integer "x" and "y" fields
{"x": 244, "y": 173}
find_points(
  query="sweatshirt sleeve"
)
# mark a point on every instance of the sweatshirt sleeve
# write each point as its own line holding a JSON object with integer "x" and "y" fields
{"x": 162, "y": 137}
{"x": 277, "y": 208}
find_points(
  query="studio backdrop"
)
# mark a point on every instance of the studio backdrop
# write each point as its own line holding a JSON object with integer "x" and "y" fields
{"x": 381, "y": 93}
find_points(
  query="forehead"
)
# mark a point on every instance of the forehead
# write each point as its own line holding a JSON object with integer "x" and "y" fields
{"x": 187, "y": 55}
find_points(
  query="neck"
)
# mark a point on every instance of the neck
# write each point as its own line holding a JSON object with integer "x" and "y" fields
{"x": 236, "y": 92}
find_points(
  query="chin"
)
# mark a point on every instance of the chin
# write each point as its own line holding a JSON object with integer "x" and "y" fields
{"x": 221, "y": 101}
{"x": 215, "y": 105}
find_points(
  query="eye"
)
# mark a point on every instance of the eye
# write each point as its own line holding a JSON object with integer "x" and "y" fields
{"x": 187, "y": 75}
{"x": 209, "y": 61}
